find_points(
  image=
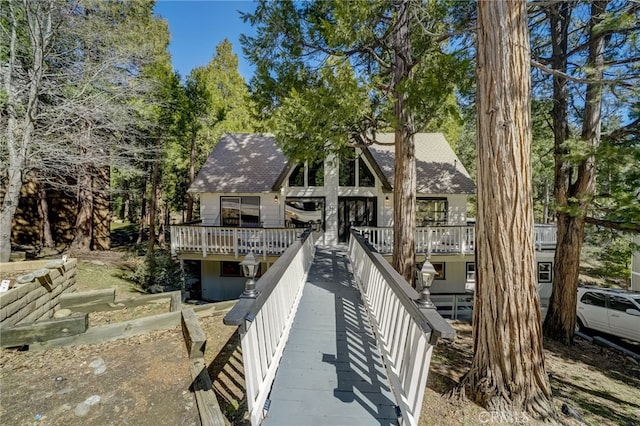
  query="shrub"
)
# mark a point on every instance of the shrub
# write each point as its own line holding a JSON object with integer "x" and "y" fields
{"x": 157, "y": 273}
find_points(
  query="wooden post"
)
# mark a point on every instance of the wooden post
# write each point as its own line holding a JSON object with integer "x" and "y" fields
{"x": 194, "y": 336}
{"x": 41, "y": 331}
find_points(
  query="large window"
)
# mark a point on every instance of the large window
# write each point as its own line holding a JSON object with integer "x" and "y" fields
{"x": 240, "y": 211}
{"x": 431, "y": 211}
{"x": 354, "y": 169}
{"x": 307, "y": 175}
{"x": 234, "y": 269}
{"x": 304, "y": 213}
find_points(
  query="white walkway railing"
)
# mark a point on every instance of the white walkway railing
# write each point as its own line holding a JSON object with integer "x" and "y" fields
{"x": 405, "y": 333}
{"x": 234, "y": 241}
{"x": 446, "y": 239}
{"x": 265, "y": 321}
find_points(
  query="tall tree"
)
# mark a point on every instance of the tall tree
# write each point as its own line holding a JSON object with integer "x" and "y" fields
{"x": 507, "y": 372}
{"x": 609, "y": 44}
{"x": 30, "y": 29}
{"x": 331, "y": 74}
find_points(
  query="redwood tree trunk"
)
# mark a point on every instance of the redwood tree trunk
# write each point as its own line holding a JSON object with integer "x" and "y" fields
{"x": 507, "y": 373}
{"x": 404, "y": 187}
{"x": 573, "y": 197}
{"x": 46, "y": 238}
{"x": 84, "y": 219}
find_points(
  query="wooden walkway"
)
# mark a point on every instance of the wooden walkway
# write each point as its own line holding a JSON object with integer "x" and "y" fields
{"x": 331, "y": 372}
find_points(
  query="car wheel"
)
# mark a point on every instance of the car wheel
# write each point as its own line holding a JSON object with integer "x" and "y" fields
{"x": 579, "y": 325}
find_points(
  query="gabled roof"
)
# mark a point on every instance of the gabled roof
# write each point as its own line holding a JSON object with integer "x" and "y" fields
{"x": 438, "y": 169}
{"x": 253, "y": 163}
{"x": 241, "y": 162}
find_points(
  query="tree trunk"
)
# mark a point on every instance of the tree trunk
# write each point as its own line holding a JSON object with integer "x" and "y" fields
{"x": 507, "y": 372}
{"x": 19, "y": 131}
{"x": 84, "y": 218}
{"x": 101, "y": 209}
{"x": 46, "y": 238}
{"x": 572, "y": 197}
{"x": 143, "y": 209}
{"x": 192, "y": 174}
{"x": 404, "y": 188}
{"x": 153, "y": 205}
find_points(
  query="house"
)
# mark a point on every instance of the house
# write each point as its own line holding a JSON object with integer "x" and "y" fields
{"x": 253, "y": 199}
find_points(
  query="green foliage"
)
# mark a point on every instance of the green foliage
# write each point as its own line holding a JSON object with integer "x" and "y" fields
{"x": 157, "y": 273}
{"x": 324, "y": 72}
{"x": 614, "y": 255}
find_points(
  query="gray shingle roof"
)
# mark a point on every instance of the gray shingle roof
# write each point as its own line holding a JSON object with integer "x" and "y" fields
{"x": 438, "y": 169}
{"x": 252, "y": 163}
{"x": 241, "y": 162}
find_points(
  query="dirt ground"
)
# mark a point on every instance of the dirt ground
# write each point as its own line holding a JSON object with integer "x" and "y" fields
{"x": 600, "y": 385}
{"x": 146, "y": 379}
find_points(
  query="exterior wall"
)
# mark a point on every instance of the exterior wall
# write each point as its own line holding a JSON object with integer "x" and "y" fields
{"x": 36, "y": 298}
{"x": 217, "y": 288}
{"x": 455, "y": 274}
{"x": 271, "y": 211}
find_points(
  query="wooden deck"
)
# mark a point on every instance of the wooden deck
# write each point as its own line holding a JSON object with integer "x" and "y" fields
{"x": 331, "y": 372}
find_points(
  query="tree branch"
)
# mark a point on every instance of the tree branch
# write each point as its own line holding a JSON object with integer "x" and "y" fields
{"x": 614, "y": 224}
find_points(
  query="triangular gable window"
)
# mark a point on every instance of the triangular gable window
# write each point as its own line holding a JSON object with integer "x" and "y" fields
{"x": 304, "y": 175}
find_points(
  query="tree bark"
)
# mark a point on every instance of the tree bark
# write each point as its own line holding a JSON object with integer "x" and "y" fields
{"x": 507, "y": 372}
{"x": 46, "y": 238}
{"x": 153, "y": 205}
{"x": 84, "y": 218}
{"x": 572, "y": 197}
{"x": 192, "y": 174}
{"x": 404, "y": 188}
{"x": 19, "y": 130}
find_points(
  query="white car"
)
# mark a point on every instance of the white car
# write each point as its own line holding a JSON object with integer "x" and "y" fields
{"x": 616, "y": 312}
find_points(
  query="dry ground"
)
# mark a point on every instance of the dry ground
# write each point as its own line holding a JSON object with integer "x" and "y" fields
{"x": 147, "y": 378}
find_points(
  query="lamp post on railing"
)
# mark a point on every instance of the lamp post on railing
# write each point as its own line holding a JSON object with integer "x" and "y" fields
{"x": 426, "y": 276}
{"x": 250, "y": 269}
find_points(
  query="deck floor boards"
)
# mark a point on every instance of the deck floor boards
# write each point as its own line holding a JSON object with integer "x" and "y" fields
{"x": 331, "y": 372}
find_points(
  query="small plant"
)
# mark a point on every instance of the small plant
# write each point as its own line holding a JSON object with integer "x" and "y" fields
{"x": 158, "y": 272}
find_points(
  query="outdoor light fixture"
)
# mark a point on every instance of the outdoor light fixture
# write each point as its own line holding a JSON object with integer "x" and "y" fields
{"x": 426, "y": 276}
{"x": 386, "y": 200}
{"x": 250, "y": 269}
{"x": 276, "y": 199}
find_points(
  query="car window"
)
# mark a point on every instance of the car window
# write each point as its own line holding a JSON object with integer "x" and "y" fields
{"x": 596, "y": 299}
{"x": 620, "y": 303}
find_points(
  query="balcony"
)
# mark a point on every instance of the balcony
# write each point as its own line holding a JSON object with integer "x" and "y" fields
{"x": 448, "y": 239}
{"x": 211, "y": 240}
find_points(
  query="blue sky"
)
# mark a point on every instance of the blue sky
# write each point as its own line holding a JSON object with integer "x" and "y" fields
{"x": 198, "y": 26}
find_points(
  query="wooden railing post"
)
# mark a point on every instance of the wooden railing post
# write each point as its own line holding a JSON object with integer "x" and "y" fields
{"x": 203, "y": 241}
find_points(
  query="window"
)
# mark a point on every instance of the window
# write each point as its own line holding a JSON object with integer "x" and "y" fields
{"x": 353, "y": 169}
{"x": 471, "y": 272}
{"x": 304, "y": 213}
{"x": 431, "y": 211}
{"x": 240, "y": 211}
{"x": 545, "y": 272}
{"x": 347, "y": 172}
{"x": 316, "y": 174}
{"x": 233, "y": 269}
{"x": 620, "y": 303}
{"x": 440, "y": 270}
{"x": 296, "y": 178}
{"x": 595, "y": 299}
{"x": 365, "y": 177}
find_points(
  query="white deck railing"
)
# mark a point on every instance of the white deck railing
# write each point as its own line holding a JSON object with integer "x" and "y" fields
{"x": 264, "y": 322}
{"x": 233, "y": 241}
{"x": 446, "y": 239}
{"x": 405, "y": 333}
